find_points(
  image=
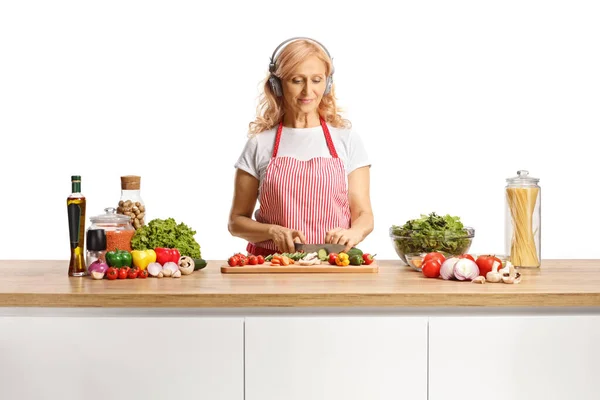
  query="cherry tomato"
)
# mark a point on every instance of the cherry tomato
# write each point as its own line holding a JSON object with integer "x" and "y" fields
{"x": 123, "y": 272}
{"x": 133, "y": 273}
{"x": 332, "y": 258}
{"x": 233, "y": 261}
{"x": 143, "y": 274}
{"x": 252, "y": 260}
{"x": 431, "y": 268}
{"x": 486, "y": 264}
{"x": 260, "y": 259}
{"x": 242, "y": 261}
{"x": 470, "y": 257}
{"x": 434, "y": 256}
{"x": 112, "y": 273}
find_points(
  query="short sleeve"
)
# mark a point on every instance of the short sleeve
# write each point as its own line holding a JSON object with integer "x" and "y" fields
{"x": 248, "y": 160}
{"x": 357, "y": 153}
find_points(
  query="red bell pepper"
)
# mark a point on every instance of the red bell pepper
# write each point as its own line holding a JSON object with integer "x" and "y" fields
{"x": 164, "y": 255}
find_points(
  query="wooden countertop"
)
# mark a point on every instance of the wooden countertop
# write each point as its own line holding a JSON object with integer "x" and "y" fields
{"x": 558, "y": 283}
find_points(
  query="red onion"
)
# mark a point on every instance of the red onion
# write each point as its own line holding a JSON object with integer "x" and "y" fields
{"x": 465, "y": 269}
{"x": 447, "y": 270}
{"x": 97, "y": 269}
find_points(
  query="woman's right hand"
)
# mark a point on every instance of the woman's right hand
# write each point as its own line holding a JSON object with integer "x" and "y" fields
{"x": 284, "y": 238}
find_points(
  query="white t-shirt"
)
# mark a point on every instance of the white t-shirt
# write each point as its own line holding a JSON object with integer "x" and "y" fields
{"x": 302, "y": 144}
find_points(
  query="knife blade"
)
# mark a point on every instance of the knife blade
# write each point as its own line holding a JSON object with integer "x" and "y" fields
{"x": 313, "y": 248}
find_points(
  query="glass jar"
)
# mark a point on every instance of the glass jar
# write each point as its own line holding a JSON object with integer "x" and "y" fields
{"x": 131, "y": 203}
{"x": 523, "y": 220}
{"x": 118, "y": 229}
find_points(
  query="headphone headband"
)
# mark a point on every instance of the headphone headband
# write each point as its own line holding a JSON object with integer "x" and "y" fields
{"x": 273, "y": 65}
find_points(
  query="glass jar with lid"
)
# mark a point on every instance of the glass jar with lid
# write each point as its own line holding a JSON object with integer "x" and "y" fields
{"x": 523, "y": 220}
{"x": 117, "y": 227}
{"x": 131, "y": 203}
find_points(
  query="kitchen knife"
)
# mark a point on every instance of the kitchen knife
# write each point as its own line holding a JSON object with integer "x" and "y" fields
{"x": 313, "y": 248}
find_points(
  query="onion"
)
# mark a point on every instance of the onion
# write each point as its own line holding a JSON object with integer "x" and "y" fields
{"x": 447, "y": 270}
{"x": 171, "y": 266}
{"x": 154, "y": 268}
{"x": 465, "y": 269}
{"x": 97, "y": 269}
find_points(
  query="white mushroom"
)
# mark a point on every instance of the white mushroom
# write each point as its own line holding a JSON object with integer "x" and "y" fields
{"x": 494, "y": 276}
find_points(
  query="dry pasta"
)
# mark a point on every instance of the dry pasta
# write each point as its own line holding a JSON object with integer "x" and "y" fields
{"x": 521, "y": 202}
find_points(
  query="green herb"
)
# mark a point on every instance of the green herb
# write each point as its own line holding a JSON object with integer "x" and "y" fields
{"x": 166, "y": 233}
{"x": 432, "y": 233}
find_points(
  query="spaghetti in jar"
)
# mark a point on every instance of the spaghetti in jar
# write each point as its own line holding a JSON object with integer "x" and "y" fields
{"x": 523, "y": 221}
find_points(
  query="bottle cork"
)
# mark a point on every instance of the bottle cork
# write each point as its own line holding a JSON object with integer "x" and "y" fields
{"x": 130, "y": 182}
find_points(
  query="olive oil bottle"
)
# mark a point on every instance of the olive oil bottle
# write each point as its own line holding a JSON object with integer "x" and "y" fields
{"x": 76, "y": 214}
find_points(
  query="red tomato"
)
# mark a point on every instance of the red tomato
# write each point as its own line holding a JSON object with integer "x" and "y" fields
{"x": 260, "y": 259}
{"x": 332, "y": 257}
{"x": 123, "y": 272}
{"x": 143, "y": 274}
{"x": 252, "y": 260}
{"x": 431, "y": 268}
{"x": 242, "y": 261}
{"x": 112, "y": 273}
{"x": 470, "y": 257}
{"x": 133, "y": 273}
{"x": 233, "y": 261}
{"x": 434, "y": 256}
{"x": 486, "y": 264}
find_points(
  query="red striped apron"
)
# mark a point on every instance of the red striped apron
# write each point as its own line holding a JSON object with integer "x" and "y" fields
{"x": 310, "y": 196}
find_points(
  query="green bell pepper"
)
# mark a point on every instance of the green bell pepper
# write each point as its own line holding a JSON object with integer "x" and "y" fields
{"x": 119, "y": 258}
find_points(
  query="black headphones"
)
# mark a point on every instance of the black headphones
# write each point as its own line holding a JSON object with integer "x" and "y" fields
{"x": 275, "y": 82}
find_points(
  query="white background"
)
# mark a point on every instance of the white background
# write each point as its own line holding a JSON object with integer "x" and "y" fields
{"x": 451, "y": 98}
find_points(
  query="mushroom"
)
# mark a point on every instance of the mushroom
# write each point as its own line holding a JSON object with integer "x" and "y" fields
{"x": 494, "y": 276}
{"x": 512, "y": 276}
{"x": 186, "y": 265}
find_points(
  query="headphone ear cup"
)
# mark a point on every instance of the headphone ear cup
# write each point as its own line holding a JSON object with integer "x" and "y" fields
{"x": 275, "y": 85}
{"x": 328, "y": 84}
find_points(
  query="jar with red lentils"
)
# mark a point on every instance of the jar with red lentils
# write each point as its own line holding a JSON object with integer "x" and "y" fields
{"x": 117, "y": 227}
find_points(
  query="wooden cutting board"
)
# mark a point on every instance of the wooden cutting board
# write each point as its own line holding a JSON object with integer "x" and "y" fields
{"x": 266, "y": 268}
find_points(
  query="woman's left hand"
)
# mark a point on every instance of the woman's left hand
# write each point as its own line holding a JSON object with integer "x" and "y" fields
{"x": 347, "y": 237}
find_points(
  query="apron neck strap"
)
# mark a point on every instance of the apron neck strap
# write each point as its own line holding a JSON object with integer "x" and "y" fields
{"x": 328, "y": 139}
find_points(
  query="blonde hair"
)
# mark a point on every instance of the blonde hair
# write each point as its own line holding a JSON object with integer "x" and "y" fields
{"x": 269, "y": 111}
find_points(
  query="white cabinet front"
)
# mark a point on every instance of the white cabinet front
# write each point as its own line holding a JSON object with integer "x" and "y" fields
{"x": 350, "y": 358}
{"x": 517, "y": 358}
{"x": 98, "y": 358}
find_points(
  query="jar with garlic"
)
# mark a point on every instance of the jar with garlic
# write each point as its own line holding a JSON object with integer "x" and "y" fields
{"x": 131, "y": 203}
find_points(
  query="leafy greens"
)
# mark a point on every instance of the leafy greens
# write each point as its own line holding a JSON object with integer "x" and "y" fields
{"x": 166, "y": 233}
{"x": 432, "y": 233}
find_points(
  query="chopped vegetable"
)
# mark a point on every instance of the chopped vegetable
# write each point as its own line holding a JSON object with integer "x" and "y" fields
{"x": 447, "y": 270}
{"x": 322, "y": 254}
{"x": 465, "y": 269}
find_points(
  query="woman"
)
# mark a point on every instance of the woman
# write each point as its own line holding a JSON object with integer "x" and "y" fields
{"x": 303, "y": 163}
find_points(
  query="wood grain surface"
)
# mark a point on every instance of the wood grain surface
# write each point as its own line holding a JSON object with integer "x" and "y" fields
{"x": 558, "y": 283}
